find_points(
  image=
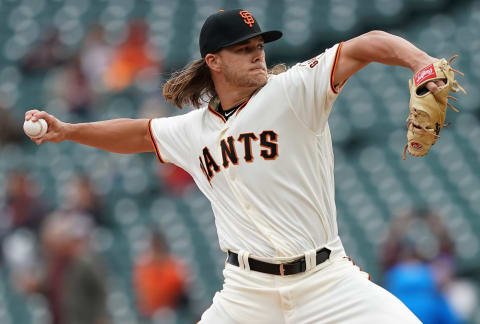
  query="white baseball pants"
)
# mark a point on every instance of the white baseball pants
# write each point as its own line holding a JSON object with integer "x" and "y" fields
{"x": 335, "y": 291}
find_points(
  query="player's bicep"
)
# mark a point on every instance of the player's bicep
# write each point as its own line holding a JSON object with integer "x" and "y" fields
{"x": 147, "y": 141}
{"x": 139, "y": 139}
{"x": 349, "y": 60}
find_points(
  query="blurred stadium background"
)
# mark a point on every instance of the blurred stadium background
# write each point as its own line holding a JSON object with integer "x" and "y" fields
{"x": 75, "y": 59}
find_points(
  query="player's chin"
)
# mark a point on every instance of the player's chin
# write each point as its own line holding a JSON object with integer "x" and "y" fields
{"x": 258, "y": 77}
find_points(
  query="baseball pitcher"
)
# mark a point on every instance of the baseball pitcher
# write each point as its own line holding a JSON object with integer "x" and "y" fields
{"x": 259, "y": 147}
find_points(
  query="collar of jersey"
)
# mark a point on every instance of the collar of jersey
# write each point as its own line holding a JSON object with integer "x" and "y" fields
{"x": 215, "y": 102}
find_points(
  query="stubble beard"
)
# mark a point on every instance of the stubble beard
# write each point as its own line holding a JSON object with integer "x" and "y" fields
{"x": 245, "y": 80}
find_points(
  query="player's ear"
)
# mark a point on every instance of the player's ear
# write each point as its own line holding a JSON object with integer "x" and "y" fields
{"x": 214, "y": 62}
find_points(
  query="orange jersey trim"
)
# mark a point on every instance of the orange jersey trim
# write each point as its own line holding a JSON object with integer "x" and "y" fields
{"x": 332, "y": 73}
{"x": 216, "y": 113}
{"x": 242, "y": 106}
{"x": 353, "y": 262}
{"x": 154, "y": 143}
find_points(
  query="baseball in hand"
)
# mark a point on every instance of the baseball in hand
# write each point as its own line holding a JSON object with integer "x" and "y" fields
{"x": 35, "y": 129}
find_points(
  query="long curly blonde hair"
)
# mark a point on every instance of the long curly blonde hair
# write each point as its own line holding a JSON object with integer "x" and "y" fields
{"x": 193, "y": 85}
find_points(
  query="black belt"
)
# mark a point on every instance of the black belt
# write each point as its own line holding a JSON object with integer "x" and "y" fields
{"x": 283, "y": 269}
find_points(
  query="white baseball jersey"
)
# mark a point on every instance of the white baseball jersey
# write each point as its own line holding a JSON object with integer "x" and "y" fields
{"x": 268, "y": 169}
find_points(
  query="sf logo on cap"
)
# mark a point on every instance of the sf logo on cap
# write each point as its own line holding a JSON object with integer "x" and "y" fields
{"x": 247, "y": 18}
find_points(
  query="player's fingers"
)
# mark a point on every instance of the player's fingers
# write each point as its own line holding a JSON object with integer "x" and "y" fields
{"x": 37, "y": 140}
{"x": 439, "y": 83}
{"x": 43, "y": 115}
{"x": 39, "y": 114}
{"x": 30, "y": 113}
{"x": 432, "y": 87}
{"x": 45, "y": 138}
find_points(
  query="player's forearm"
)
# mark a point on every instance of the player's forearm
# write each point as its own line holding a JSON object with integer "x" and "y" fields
{"x": 117, "y": 135}
{"x": 385, "y": 48}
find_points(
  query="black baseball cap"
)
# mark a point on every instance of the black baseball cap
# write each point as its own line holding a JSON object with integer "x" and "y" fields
{"x": 230, "y": 27}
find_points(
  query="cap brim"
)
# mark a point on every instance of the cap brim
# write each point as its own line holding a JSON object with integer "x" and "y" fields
{"x": 268, "y": 36}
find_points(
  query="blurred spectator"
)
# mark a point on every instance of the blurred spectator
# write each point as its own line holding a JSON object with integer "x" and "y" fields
{"x": 47, "y": 53}
{"x": 419, "y": 261}
{"x": 72, "y": 280}
{"x": 95, "y": 57}
{"x": 82, "y": 199}
{"x": 73, "y": 86}
{"x": 10, "y": 129}
{"x": 159, "y": 279}
{"x": 419, "y": 233}
{"x": 23, "y": 206}
{"x": 130, "y": 58}
{"x": 414, "y": 284}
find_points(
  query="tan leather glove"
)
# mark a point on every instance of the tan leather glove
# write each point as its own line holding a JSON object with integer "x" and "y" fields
{"x": 428, "y": 110}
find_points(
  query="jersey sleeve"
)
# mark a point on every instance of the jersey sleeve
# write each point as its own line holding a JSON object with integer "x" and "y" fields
{"x": 170, "y": 138}
{"x": 310, "y": 90}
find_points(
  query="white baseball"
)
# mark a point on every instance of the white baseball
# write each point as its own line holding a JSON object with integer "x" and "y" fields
{"x": 35, "y": 129}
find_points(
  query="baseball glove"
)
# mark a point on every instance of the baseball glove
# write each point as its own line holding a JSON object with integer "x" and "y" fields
{"x": 428, "y": 110}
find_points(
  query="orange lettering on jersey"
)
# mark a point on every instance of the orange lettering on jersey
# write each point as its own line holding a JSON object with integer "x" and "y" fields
{"x": 269, "y": 151}
{"x": 202, "y": 166}
{"x": 209, "y": 162}
{"x": 247, "y": 138}
{"x": 247, "y": 18}
{"x": 268, "y": 139}
{"x": 311, "y": 62}
{"x": 228, "y": 152}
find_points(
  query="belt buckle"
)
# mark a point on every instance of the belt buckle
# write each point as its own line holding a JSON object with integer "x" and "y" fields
{"x": 282, "y": 270}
